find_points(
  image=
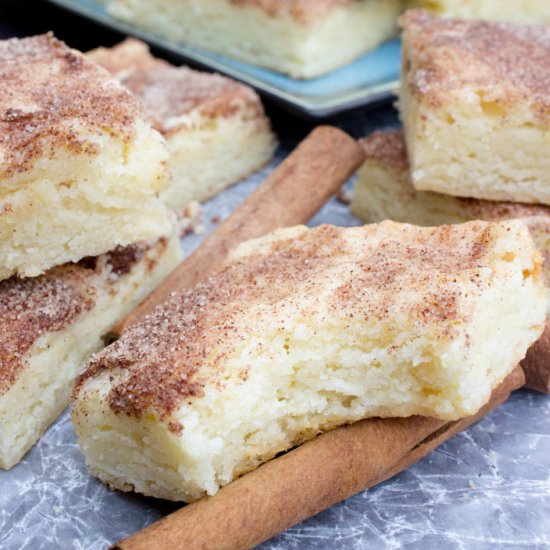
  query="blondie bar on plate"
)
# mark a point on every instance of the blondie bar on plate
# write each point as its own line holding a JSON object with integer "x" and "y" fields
{"x": 301, "y": 331}
{"x": 475, "y": 105}
{"x": 80, "y": 170}
{"x": 304, "y": 38}
{"x": 216, "y": 129}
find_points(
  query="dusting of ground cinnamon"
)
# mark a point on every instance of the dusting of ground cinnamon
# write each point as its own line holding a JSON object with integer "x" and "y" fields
{"x": 387, "y": 148}
{"x": 504, "y": 63}
{"x": 430, "y": 275}
{"x": 124, "y": 58}
{"x": 168, "y": 93}
{"x": 175, "y": 427}
{"x": 32, "y": 307}
{"x": 119, "y": 261}
{"x": 123, "y": 259}
{"x": 51, "y": 97}
{"x": 496, "y": 211}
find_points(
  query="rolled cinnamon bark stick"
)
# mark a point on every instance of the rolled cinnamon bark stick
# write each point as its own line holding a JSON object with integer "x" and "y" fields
{"x": 304, "y": 481}
{"x": 291, "y": 195}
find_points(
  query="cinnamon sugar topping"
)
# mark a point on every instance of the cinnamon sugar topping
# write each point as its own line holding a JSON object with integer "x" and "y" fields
{"x": 124, "y": 58}
{"x": 501, "y": 62}
{"x": 167, "y": 92}
{"x": 50, "y": 97}
{"x": 376, "y": 272}
{"x": 170, "y": 92}
{"x": 30, "y": 308}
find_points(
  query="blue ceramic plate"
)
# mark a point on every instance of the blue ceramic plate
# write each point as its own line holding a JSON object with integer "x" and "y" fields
{"x": 369, "y": 80}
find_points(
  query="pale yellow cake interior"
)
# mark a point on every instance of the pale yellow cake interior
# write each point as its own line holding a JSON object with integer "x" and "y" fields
{"x": 305, "y": 46}
{"x": 70, "y": 205}
{"x": 496, "y": 154}
{"x": 208, "y": 154}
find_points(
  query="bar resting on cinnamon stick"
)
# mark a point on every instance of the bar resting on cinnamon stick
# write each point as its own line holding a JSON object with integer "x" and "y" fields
{"x": 303, "y": 482}
{"x": 300, "y": 332}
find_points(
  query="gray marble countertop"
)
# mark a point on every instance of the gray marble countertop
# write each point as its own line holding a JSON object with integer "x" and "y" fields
{"x": 489, "y": 487}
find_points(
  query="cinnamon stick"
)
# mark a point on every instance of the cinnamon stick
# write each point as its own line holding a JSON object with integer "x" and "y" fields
{"x": 291, "y": 195}
{"x": 514, "y": 381}
{"x": 304, "y": 481}
{"x": 537, "y": 363}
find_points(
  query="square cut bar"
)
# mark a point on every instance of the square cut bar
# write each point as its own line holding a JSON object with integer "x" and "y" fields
{"x": 475, "y": 105}
{"x": 303, "y": 38}
{"x": 301, "y": 331}
{"x": 52, "y": 324}
{"x": 514, "y": 11}
{"x": 80, "y": 170}
{"x": 216, "y": 129}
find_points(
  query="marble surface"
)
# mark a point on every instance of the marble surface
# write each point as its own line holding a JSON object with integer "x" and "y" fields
{"x": 489, "y": 487}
